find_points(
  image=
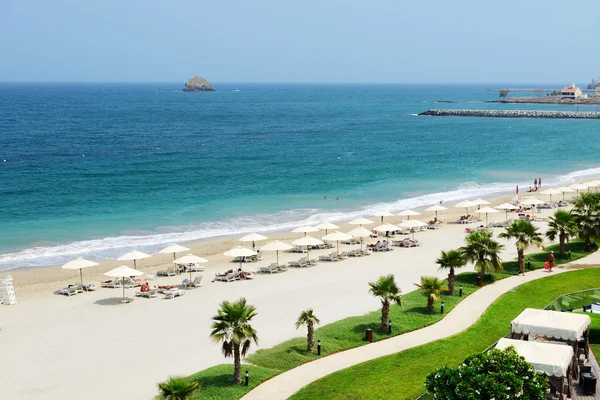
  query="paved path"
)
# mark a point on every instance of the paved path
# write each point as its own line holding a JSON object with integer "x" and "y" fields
{"x": 465, "y": 314}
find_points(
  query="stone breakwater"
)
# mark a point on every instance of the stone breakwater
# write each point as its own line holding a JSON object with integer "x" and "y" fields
{"x": 513, "y": 114}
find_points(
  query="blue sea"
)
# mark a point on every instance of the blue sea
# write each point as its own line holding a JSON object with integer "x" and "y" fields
{"x": 94, "y": 170}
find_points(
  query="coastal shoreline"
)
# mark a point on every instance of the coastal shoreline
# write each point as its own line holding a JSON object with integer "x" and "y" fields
{"x": 45, "y": 279}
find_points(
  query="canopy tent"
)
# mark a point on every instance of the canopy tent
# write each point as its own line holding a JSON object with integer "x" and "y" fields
{"x": 551, "y": 324}
{"x": 547, "y": 359}
{"x": 173, "y": 248}
{"x": 409, "y": 213}
{"x": 277, "y": 246}
{"x": 382, "y": 213}
{"x": 506, "y": 207}
{"x": 563, "y": 326}
{"x": 436, "y": 208}
{"x": 326, "y": 226}
{"x": 79, "y": 263}
{"x": 551, "y": 360}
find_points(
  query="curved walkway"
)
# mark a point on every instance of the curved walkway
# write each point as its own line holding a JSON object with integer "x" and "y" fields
{"x": 465, "y": 314}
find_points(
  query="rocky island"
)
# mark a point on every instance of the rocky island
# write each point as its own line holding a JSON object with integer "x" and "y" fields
{"x": 198, "y": 84}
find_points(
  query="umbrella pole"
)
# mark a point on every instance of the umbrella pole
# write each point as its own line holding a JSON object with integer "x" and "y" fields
{"x": 506, "y": 215}
{"x": 338, "y": 248}
{"x": 134, "y": 264}
{"x": 81, "y": 276}
{"x": 277, "y": 253}
{"x": 123, "y": 283}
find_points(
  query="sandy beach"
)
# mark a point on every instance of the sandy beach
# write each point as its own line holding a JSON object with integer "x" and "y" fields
{"x": 53, "y": 346}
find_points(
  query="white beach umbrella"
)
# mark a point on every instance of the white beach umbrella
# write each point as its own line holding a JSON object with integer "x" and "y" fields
{"x": 486, "y": 210}
{"x": 326, "y": 226}
{"x": 412, "y": 223}
{"x": 533, "y": 202}
{"x": 386, "y": 228}
{"x": 382, "y": 213}
{"x": 190, "y": 259}
{"x": 361, "y": 232}
{"x": 276, "y": 246}
{"x": 79, "y": 263}
{"x": 592, "y": 184}
{"x": 337, "y": 236}
{"x": 409, "y": 213}
{"x": 134, "y": 255}
{"x": 480, "y": 202}
{"x": 308, "y": 241}
{"x": 123, "y": 272}
{"x": 550, "y": 192}
{"x": 565, "y": 189}
{"x": 436, "y": 208}
{"x": 240, "y": 252}
{"x": 252, "y": 237}
{"x": 361, "y": 221}
{"x": 506, "y": 207}
{"x": 305, "y": 229}
{"x": 465, "y": 204}
{"x": 173, "y": 248}
{"x": 578, "y": 187}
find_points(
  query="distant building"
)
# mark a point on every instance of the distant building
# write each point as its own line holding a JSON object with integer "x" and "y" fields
{"x": 571, "y": 92}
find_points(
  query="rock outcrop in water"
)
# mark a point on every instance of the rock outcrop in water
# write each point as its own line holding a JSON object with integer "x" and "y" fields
{"x": 198, "y": 84}
{"x": 513, "y": 114}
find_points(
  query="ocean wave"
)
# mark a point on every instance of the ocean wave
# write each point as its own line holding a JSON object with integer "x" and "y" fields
{"x": 114, "y": 246}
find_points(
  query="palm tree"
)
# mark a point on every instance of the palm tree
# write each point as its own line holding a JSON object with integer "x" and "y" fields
{"x": 585, "y": 214}
{"x": 525, "y": 234}
{"x": 309, "y": 319}
{"x": 482, "y": 250}
{"x": 177, "y": 388}
{"x": 449, "y": 260}
{"x": 386, "y": 289}
{"x": 562, "y": 224}
{"x": 232, "y": 326}
{"x": 433, "y": 288}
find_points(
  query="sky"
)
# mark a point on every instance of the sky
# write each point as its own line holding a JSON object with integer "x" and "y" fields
{"x": 377, "y": 41}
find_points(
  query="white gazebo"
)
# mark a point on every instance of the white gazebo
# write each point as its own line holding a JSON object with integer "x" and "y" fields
{"x": 561, "y": 326}
{"x": 551, "y": 360}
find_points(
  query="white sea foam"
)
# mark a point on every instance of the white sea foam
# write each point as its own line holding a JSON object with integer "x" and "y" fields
{"x": 111, "y": 247}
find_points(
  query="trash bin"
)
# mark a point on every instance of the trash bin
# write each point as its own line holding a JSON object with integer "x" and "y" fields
{"x": 369, "y": 335}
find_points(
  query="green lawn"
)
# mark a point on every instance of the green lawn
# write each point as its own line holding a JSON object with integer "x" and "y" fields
{"x": 349, "y": 332}
{"x": 403, "y": 374}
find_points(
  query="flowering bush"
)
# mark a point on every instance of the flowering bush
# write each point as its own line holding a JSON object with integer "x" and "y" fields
{"x": 495, "y": 375}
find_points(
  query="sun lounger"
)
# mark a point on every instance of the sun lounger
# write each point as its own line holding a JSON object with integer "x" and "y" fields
{"x": 68, "y": 291}
{"x": 113, "y": 284}
{"x": 196, "y": 268}
{"x": 167, "y": 272}
{"x": 301, "y": 263}
{"x": 149, "y": 294}
{"x": 329, "y": 257}
{"x": 196, "y": 283}
{"x": 130, "y": 282}
{"x": 433, "y": 226}
{"x": 343, "y": 256}
{"x": 171, "y": 294}
{"x": 355, "y": 253}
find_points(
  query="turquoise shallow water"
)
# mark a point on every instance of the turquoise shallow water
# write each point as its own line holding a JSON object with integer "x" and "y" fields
{"x": 161, "y": 165}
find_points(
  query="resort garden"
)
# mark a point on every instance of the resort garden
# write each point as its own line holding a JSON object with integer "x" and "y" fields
{"x": 404, "y": 373}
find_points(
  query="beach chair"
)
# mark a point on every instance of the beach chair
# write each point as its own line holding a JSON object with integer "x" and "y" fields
{"x": 196, "y": 268}
{"x": 329, "y": 257}
{"x": 197, "y": 282}
{"x": 282, "y": 268}
{"x": 167, "y": 272}
{"x": 343, "y": 256}
{"x": 149, "y": 294}
{"x": 435, "y": 225}
{"x": 301, "y": 263}
{"x": 68, "y": 291}
{"x": 171, "y": 294}
{"x": 272, "y": 268}
{"x": 233, "y": 276}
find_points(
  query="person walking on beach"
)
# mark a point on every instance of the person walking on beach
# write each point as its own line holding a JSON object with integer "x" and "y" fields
{"x": 540, "y": 183}
{"x": 535, "y": 183}
{"x": 521, "y": 266}
{"x": 551, "y": 260}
